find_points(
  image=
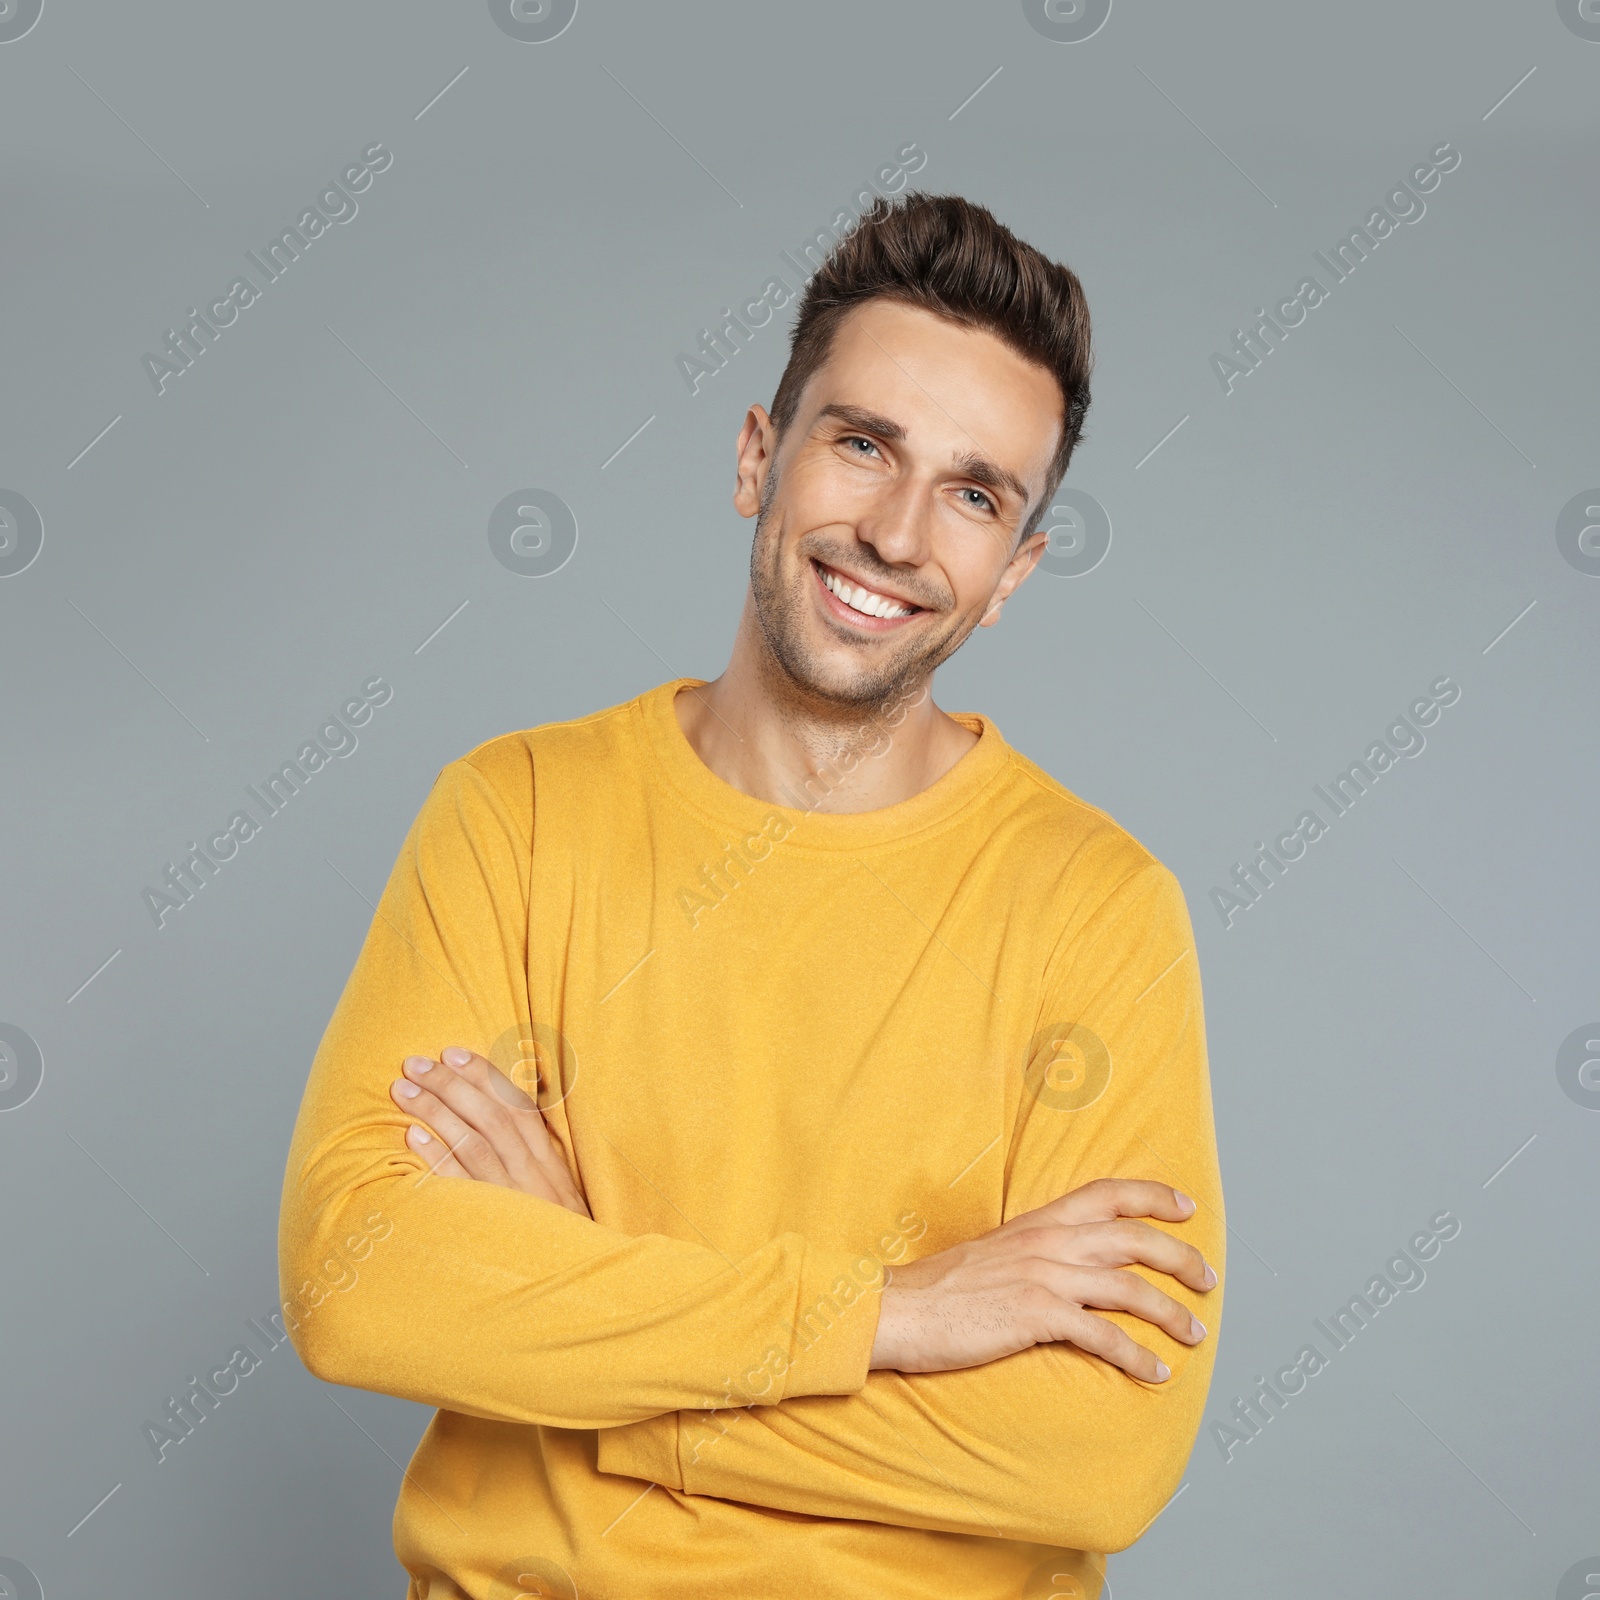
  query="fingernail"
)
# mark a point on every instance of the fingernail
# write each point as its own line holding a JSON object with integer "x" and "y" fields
{"x": 1185, "y": 1201}
{"x": 408, "y": 1091}
{"x": 1197, "y": 1329}
{"x": 418, "y": 1064}
{"x": 418, "y": 1136}
{"x": 455, "y": 1056}
{"x": 1163, "y": 1372}
{"x": 1211, "y": 1277}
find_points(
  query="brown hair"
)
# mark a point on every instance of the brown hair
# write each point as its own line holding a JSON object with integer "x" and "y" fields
{"x": 949, "y": 256}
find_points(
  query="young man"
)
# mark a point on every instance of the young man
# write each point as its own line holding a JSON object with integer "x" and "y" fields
{"x": 861, "y": 1051}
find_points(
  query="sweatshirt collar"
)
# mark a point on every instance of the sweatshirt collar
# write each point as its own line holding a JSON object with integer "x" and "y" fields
{"x": 728, "y": 808}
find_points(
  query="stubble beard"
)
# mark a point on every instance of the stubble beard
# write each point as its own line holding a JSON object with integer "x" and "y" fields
{"x": 780, "y": 611}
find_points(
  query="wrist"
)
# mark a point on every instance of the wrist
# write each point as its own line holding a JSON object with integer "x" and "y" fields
{"x": 886, "y": 1341}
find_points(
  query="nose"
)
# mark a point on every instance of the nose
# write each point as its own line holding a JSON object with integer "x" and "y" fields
{"x": 896, "y": 524}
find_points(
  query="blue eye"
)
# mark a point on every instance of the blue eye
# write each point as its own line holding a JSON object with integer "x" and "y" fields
{"x": 982, "y": 497}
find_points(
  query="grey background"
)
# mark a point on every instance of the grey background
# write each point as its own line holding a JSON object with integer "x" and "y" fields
{"x": 1292, "y": 567}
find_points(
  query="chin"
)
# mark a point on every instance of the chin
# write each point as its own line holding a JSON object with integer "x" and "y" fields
{"x": 825, "y": 671}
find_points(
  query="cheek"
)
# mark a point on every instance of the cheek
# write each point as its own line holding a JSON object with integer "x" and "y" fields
{"x": 823, "y": 490}
{"x": 970, "y": 568}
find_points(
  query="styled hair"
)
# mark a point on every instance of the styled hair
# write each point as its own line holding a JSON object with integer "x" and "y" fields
{"x": 956, "y": 259}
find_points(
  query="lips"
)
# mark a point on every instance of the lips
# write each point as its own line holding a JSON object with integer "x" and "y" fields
{"x": 867, "y": 609}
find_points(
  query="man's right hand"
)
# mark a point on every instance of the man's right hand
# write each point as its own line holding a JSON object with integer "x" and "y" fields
{"x": 1032, "y": 1280}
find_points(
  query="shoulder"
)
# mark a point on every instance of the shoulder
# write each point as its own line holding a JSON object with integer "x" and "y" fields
{"x": 1095, "y": 874}
{"x": 1070, "y": 834}
{"x": 503, "y": 771}
{"x": 511, "y": 758}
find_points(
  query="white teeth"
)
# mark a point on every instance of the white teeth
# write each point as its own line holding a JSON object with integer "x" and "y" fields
{"x": 864, "y": 600}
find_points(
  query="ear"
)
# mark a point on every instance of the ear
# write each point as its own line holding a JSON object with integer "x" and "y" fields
{"x": 758, "y": 443}
{"x": 1017, "y": 569}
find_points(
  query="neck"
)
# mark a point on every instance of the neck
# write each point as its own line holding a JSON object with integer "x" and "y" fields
{"x": 767, "y": 736}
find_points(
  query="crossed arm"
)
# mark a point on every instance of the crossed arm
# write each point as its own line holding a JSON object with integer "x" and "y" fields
{"x": 1008, "y": 1387}
{"x": 1030, "y": 1281}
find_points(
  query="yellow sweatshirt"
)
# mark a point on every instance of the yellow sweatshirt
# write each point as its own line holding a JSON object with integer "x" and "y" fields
{"x": 781, "y": 1048}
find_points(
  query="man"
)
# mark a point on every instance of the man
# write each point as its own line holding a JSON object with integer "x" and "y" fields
{"x": 860, "y": 1049}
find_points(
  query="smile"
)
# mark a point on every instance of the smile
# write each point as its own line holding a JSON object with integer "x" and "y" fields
{"x": 858, "y": 604}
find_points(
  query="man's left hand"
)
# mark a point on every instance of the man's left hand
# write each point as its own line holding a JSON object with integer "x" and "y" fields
{"x": 490, "y": 1129}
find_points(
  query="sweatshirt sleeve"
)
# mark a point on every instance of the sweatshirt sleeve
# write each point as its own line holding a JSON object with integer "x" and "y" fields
{"x": 1050, "y": 1445}
{"x": 472, "y": 1297}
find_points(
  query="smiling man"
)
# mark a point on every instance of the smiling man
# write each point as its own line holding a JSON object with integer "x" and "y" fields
{"x": 859, "y": 1051}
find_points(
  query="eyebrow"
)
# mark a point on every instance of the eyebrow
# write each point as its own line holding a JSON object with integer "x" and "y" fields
{"x": 970, "y": 465}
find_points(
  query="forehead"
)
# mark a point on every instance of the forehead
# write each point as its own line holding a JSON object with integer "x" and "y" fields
{"x": 951, "y": 387}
